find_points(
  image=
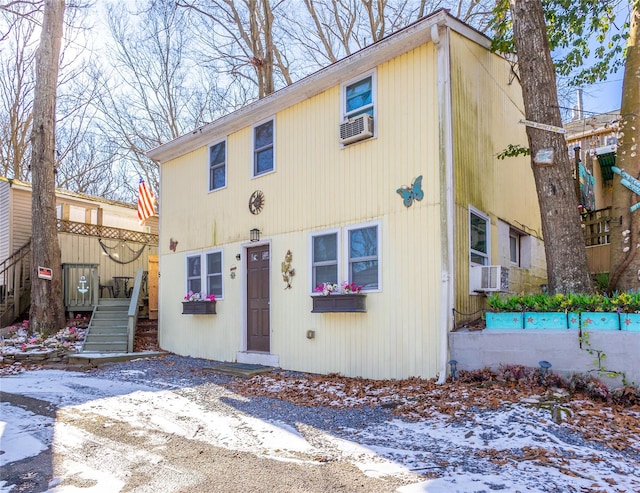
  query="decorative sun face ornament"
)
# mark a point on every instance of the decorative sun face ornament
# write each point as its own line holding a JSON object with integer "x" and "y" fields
{"x": 256, "y": 202}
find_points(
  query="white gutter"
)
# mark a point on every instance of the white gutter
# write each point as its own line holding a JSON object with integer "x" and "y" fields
{"x": 440, "y": 38}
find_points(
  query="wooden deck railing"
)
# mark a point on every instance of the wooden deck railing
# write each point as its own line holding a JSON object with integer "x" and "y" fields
{"x": 15, "y": 284}
{"x": 595, "y": 227}
{"x": 106, "y": 232}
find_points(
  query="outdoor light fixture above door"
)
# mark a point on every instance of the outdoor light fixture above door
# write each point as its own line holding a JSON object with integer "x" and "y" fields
{"x": 254, "y": 235}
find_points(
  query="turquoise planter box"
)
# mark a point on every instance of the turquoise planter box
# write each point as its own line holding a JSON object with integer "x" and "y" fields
{"x": 545, "y": 320}
{"x": 504, "y": 320}
{"x": 573, "y": 320}
{"x": 630, "y": 322}
{"x": 600, "y": 321}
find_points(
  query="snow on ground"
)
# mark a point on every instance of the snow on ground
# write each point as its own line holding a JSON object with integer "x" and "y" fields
{"x": 516, "y": 447}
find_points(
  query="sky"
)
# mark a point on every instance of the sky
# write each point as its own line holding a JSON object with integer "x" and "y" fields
{"x": 393, "y": 448}
{"x": 604, "y": 96}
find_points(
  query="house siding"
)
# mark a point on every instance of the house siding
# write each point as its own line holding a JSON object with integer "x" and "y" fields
{"x": 20, "y": 217}
{"x": 318, "y": 185}
{"x": 5, "y": 220}
{"x": 487, "y": 108}
{"x": 15, "y": 230}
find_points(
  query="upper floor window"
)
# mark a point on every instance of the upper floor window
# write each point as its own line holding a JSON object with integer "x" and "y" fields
{"x": 217, "y": 166}
{"x": 263, "y": 148}
{"x": 359, "y": 97}
{"x": 478, "y": 238}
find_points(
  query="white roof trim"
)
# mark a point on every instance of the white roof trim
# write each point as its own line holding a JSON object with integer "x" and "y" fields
{"x": 396, "y": 44}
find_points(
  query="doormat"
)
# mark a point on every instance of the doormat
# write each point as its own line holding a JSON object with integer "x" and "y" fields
{"x": 243, "y": 370}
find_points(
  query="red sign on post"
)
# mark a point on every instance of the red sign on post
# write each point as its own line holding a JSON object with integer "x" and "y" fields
{"x": 45, "y": 273}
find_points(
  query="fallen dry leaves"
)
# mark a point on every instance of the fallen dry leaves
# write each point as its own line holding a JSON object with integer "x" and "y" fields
{"x": 614, "y": 426}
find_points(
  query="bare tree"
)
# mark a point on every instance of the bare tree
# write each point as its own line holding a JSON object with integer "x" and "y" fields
{"x": 152, "y": 89}
{"x": 47, "y": 312}
{"x": 567, "y": 267}
{"x": 16, "y": 92}
{"x": 75, "y": 91}
{"x": 239, "y": 41}
{"x": 332, "y": 29}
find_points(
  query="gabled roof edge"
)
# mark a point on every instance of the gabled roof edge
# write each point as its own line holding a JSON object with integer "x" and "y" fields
{"x": 400, "y": 42}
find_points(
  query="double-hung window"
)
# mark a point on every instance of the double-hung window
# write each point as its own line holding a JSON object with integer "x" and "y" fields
{"x": 363, "y": 259}
{"x": 359, "y": 97}
{"x": 324, "y": 258}
{"x": 194, "y": 274}
{"x": 478, "y": 238}
{"x": 514, "y": 247}
{"x": 263, "y": 148}
{"x": 217, "y": 166}
{"x": 205, "y": 279}
{"x": 358, "y": 257}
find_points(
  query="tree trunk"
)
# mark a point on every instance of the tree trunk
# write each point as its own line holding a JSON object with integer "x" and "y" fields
{"x": 567, "y": 268}
{"x": 624, "y": 234}
{"x": 47, "y": 306}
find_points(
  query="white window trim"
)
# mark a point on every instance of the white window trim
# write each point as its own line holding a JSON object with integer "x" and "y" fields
{"x": 226, "y": 149}
{"x": 203, "y": 270}
{"x": 253, "y": 149}
{"x": 473, "y": 210}
{"x": 323, "y": 232}
{"x": 345, "y": 251}
{"x": 374, "y": 96}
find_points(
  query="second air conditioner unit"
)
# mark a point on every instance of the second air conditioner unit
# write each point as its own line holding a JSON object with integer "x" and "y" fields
{"x": 357, "y": 128}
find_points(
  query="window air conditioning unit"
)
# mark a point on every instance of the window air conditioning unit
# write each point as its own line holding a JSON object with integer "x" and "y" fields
{"x": 484, "y": 278}
{"x": 357, "y": 128}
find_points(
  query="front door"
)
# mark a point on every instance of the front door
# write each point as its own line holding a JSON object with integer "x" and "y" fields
{"x": 258, "y": 329}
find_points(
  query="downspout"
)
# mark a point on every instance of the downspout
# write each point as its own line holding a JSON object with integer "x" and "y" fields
{"x": 440, "y": 38}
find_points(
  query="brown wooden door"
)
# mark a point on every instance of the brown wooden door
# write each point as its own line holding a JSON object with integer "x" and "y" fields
{"x": 152, "y": 286}
{"x": 258, "y": 329}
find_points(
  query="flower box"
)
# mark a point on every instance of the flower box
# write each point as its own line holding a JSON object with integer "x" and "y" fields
{"x": 630, "y": 322}
{"x": 545, "y": 320}
{"x": 504, "y": 320}
{"x": 600, "y": 320}
{"x": 198, "y": 307}
{"x": 340, "y": 303}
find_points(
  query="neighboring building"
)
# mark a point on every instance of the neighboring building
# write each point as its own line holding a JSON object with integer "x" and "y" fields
{"x": 380, "y": 169}
{"x": 99, "y": 239}
{"x": 595, "y": 138}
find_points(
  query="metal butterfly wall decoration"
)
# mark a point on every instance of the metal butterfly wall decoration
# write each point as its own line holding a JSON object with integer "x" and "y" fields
{"x": 414, "y": 192}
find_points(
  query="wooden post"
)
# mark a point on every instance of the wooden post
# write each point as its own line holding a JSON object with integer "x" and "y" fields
{"x": 576, "y": 155}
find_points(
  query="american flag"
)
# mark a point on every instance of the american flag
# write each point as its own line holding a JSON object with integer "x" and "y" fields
{"x": 146, "y": 202}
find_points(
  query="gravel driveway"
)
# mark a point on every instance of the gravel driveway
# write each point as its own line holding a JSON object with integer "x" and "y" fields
{"x": 172, "y": 424}
{"x": 154, "y": 430}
